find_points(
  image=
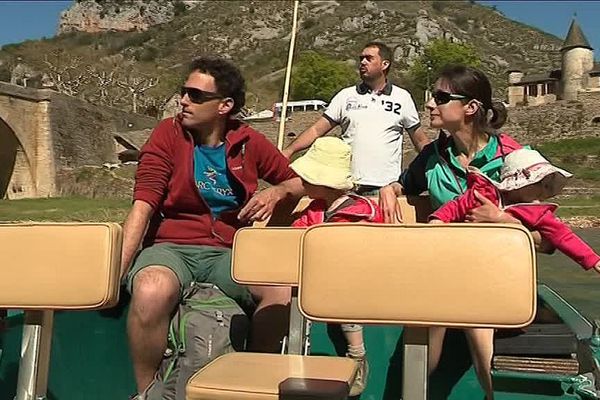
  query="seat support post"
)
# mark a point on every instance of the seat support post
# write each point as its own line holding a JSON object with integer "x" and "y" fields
{"x": 32, "y": 382}
{"x": 415, "y": 375}
{"x": 298, "y": 327}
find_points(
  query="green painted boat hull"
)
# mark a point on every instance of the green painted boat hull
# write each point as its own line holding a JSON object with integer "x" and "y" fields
{"x": 90, "y": 361}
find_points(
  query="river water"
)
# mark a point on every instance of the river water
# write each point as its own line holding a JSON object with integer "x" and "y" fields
{"x": 581, "y": 288}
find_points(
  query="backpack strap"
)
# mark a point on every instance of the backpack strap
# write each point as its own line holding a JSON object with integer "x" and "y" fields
{"x": 346, "y": 203}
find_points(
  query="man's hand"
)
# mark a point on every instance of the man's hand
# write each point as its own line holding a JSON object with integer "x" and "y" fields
{"x": 389, "y": 204}
{"x": 486, "y": 212}
{"x": 597, "y": 267}
{"x": 287, "y": 153}
{"x": 260, "y": 206}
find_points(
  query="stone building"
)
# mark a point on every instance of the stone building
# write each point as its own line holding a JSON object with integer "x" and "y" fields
{"x": 578, "y": 73}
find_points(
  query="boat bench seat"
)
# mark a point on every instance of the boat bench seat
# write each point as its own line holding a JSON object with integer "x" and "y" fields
{"x": 548, "y": 348}
{"x": 269, "y": 257}
{"x": 259, "y": 376}
{"x": 59, "y": 266}
{"x": 461, "y": 275}
{"x": 55, "y": 266}
{"x": 538, "y": 339}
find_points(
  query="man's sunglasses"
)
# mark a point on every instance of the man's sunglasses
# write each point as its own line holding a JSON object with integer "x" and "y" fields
{"x": 198, "y": 96}
{"x": 440, "y": 97}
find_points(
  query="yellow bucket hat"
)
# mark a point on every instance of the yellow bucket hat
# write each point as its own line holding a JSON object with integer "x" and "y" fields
{"x": 326, "y": 163}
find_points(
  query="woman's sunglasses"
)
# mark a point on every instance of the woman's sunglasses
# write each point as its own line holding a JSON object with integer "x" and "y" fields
{"x": 198, "y": 96}
{"x": 440, "y": 97}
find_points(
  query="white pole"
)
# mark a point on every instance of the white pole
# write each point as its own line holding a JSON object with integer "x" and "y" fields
{"x": 288, "y": 75}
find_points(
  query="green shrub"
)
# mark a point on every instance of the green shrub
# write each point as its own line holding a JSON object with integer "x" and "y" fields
{"x": 308, "y": 23}
{"x": 438, "y": 54}
{"x": 179, "y": 8}
{"x": 439, "y": 5}
{"x": 318, "y": 77}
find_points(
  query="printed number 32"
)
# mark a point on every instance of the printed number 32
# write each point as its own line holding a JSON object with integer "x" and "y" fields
{"x": 389, "y": 106}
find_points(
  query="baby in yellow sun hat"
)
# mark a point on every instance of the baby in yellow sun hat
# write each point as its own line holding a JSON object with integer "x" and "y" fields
{"x": 326, "y": 174}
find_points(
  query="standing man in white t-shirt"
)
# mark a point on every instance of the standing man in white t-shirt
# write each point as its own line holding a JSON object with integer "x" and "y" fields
{"x": 373, "y": 116}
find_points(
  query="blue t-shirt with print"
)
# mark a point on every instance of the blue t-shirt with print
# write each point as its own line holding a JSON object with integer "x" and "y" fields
{"x": 213, "y": 180}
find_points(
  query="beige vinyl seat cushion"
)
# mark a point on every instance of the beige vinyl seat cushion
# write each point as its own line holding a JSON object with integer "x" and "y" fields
{"x": 257, "y": 376}
{"x": 462, "y": 275}
{"x": 60, "y": 266}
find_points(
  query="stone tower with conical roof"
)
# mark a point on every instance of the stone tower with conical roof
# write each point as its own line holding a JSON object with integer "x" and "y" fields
{"x": 577, "y": 62}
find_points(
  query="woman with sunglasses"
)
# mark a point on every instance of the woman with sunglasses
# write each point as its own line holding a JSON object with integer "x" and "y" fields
{"x": 462, "y": 108}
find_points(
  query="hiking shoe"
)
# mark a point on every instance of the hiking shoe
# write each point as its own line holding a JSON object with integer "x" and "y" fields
{"x": 360, "y": 381}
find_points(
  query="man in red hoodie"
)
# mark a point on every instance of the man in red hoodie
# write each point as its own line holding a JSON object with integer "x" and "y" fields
{"x": 194, "y": 187}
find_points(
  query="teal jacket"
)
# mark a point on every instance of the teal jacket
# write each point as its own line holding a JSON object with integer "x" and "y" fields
{"x": 437, "y": 170}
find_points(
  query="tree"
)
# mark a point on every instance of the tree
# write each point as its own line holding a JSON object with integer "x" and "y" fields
{"x": 137, "y": 85}
{"x": 105, "y": 81}
{"x": 437, "y": 55}
{"x": 66, "y": 72}
{"x": 317, "y": 77}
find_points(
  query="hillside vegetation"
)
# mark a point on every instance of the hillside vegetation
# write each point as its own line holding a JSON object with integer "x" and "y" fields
{"x": 108, "y": 67}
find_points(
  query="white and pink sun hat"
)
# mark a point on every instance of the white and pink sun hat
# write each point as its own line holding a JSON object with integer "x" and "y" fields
{"x": 525, "y": 167}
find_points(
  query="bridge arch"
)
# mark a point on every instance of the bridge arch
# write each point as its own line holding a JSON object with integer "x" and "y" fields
{"x": 16, "y": 179}
{"x": 43, "y": 132}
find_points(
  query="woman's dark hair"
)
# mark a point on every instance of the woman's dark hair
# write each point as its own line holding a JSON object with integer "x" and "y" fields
{"x": 473, "y": 83}
{"x": 228, "y": 78}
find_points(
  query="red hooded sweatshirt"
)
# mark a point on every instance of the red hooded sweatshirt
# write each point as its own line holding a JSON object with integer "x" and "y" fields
{"x": 165, "y": 180}
{"x": 355, "y": 209}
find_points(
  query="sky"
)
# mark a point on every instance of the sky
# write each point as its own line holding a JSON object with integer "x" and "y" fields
{"x": 26, "y": 19}
{"x": 555, "y": 16}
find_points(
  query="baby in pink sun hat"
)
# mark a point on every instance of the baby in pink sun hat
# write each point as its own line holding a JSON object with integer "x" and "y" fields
{"x": 526, "y": 180}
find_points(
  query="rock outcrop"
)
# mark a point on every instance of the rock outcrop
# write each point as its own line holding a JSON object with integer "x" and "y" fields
{"x": 128, "y": 15}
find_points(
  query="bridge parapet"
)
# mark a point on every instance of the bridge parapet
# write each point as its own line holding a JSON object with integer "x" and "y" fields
{"x": 43, "y": 131}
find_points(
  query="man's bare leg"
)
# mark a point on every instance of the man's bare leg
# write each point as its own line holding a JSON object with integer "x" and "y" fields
{"x": 155, "y": 295}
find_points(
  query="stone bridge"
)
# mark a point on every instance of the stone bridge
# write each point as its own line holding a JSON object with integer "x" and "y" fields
{"x": 42, "y": 131}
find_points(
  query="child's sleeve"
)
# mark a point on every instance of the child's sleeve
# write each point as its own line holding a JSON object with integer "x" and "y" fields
{"x": 452, "y": 211}
{"x": 306, "y": 218}
{"x": 302, "y": 221}
{"x": 564, "y": 239}
{"x": 568, "y": 242}
{"x": 456, "y": 210}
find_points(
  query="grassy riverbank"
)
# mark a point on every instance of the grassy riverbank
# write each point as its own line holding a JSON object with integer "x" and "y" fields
{"x": 66, "y": 209}
{"x": 579, "y": 156}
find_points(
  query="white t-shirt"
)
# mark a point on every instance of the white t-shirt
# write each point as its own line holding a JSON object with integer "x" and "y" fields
{"x": 373, "y": 124}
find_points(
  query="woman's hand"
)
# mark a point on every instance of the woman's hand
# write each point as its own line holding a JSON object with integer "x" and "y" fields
{"x": 597, "y": 267}
{"x": 488, "y": 212}
{"x": 435, "y": 221}
{"x": 389, "y": 204}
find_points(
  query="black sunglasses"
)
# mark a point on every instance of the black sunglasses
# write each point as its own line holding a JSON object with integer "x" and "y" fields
{"x": 198, "y": 96}
{"x": 440, "y": 97}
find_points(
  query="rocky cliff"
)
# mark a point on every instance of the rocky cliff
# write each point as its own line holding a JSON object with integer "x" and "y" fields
{"x": 135, "y": 38}
{"x": 124, "y": 15}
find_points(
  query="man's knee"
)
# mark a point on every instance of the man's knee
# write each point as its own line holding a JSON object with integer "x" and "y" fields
{"x": 155, "y": 292}
{"x": 271, "y": 294}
